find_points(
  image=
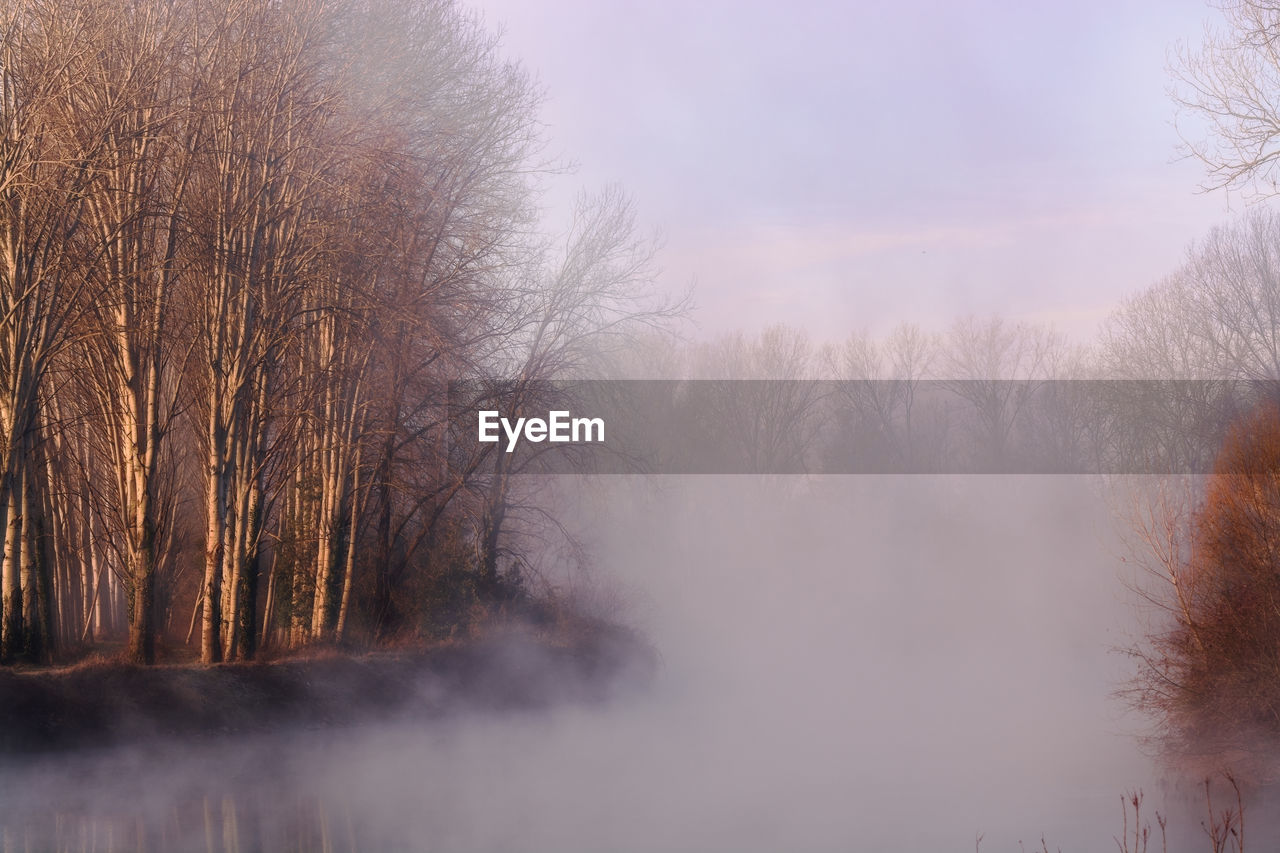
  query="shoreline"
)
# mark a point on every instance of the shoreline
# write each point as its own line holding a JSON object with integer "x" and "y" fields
{"x": 93, "y": 705}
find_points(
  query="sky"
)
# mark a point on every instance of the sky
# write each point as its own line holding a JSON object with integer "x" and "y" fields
{"x": 849, "y": 166}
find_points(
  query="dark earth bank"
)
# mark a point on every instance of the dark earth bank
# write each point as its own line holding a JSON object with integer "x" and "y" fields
{"x": 109, "y": 704}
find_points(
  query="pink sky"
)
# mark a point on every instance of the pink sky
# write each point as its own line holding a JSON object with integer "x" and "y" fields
{"x": 847, "y": 166}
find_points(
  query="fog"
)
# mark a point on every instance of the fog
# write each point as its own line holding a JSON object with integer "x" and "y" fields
{"x": 847, "y": 663}
{"x": 257, "y": 280}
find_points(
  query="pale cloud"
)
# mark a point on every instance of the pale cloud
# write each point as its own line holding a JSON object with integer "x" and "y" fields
{"x": 832, "y": 277}
{"x": 837, "y": 165}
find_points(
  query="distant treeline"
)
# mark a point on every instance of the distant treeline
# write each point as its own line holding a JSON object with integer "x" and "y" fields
{"x": 244, "y": 245}
{"x": 1156, "y": 391}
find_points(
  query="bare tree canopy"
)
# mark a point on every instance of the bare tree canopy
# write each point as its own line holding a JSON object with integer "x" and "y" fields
{"x": 1229, "y": 88}
{"x": 244, "y": 248}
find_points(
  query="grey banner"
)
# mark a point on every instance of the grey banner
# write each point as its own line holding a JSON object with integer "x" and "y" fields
{"x": 852, "y": 426}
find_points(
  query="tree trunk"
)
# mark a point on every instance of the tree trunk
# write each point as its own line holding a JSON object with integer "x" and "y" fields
{"x": 142, "y": 627}
{"x": 210, "y": 632}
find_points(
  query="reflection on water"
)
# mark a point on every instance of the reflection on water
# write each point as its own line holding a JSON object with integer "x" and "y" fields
{"x": 220, "y": 797}
{"x": 228, "y": 825}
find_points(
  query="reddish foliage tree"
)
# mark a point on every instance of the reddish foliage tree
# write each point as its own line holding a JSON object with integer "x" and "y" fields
{"x": 1212, "y": 674}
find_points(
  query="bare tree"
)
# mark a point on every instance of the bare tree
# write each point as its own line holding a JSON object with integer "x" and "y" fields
{"x": 876, "y": 398}
{"x": 589, "y": 299}
{"x": 134, "y": 102}
{"x": 260, "y": 175}
{"x": 996, "y": 366}
{"x": 758, "y": 410}
{"x": 1156, "y": 335}
{"x": 1193, "y": 338}
{"x": 43, "y": 283}
{"x": 452, "y": 129}
{"x": 1232, "y": 82}
{"x": 1234, "y": 288}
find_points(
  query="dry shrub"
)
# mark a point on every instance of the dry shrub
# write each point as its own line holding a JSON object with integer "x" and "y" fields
{"x": 1211, "y": 670}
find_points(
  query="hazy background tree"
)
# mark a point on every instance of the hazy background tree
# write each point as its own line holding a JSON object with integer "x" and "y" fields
{"x": 453, "y": 130}
{"x": 876, "y": 385}
{"x": 758, "y": 410}
{"x": 587, "y": 299}
{"x": 996, "y": 366}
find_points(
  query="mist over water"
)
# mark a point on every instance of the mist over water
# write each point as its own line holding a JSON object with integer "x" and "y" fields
{"x": 230, "y": 348}
{"x": 848, "y": 663}
{"x": 908, "y": 660}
